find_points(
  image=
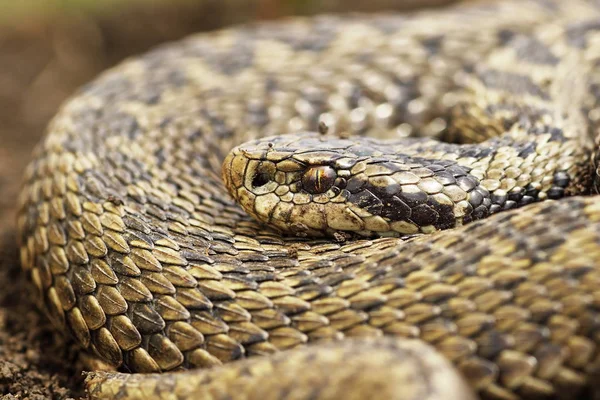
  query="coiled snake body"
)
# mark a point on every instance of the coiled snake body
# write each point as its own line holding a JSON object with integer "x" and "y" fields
{"x": 138, "y": 248}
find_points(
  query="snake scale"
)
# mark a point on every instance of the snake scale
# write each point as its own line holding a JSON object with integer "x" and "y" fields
{"x": 338, "y": 284}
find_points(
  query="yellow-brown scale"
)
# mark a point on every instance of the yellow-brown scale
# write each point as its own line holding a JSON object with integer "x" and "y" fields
{"x": 135, "y": 246}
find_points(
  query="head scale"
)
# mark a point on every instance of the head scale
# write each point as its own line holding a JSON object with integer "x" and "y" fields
{"x": 317, "y": 185}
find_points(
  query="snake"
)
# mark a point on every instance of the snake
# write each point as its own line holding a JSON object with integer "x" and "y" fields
{"x": 388, "y": 205}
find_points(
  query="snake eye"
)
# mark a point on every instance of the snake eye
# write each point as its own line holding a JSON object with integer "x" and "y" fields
{"x": 318, "y": 179}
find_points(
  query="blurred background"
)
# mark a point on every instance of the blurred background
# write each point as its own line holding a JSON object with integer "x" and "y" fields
{"x": 48, "y": 48}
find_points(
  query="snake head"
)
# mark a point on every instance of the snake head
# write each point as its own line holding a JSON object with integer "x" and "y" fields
{"x": 315, "y": 185}
{"x": 295, "y": 183}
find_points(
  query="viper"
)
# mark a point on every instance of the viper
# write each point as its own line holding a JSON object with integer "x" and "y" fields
{"x": 345, "y": 206}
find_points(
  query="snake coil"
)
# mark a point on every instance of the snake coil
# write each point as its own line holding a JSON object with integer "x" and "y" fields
{"x": 139, "y": 250}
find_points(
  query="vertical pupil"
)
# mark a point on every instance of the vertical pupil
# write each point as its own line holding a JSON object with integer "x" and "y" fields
{"x": 318, "y": 179}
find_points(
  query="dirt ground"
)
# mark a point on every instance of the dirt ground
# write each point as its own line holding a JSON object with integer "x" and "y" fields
{"x": 43, "y": 59}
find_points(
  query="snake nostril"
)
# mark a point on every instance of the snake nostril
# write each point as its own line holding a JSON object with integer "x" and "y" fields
{"x": 263, "y": 175}
{"x": 260, "y": 179}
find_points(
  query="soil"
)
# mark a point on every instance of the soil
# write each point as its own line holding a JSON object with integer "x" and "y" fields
{"x": 44, "y": 59}
{"x": 35, "y": 363}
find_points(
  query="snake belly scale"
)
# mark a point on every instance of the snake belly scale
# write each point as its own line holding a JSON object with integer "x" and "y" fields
{"x": 138, "y": 249}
